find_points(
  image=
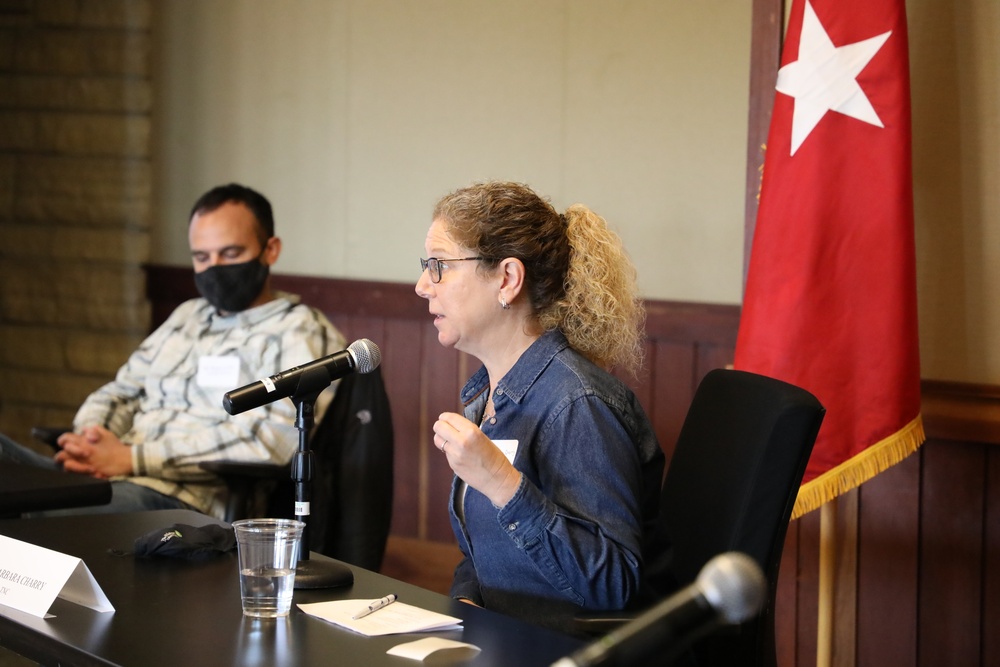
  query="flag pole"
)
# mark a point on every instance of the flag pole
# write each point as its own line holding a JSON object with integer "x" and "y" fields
{"x": 827, "y": 583}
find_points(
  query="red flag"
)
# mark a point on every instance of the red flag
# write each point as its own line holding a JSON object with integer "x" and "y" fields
{"x": 830, "y": 302}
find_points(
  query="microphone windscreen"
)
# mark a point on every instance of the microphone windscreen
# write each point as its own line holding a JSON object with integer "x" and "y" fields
{"x": 734, "y": 585}
{"x": 366, "y": 355}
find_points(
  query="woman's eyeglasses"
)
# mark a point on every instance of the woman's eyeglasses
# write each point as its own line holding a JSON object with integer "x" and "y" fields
{"x": 433, "y": 264}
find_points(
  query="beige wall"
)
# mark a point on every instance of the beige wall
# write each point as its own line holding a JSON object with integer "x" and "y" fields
{"x": 354, "y": 116}
{"x": 955, "y": 65}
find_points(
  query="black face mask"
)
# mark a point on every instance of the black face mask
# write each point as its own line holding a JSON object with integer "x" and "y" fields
{"x": 232, "y": 287}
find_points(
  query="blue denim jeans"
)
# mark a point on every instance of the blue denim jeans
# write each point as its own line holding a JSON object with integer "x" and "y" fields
{"x": 125, "y": 496}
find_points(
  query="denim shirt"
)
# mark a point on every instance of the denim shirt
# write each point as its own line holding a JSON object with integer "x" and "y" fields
{"x": 572, "y": 536}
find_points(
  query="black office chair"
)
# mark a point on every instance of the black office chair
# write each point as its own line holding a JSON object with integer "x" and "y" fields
{"x": 351, "y": 489}
{"x": 730, "y": 486}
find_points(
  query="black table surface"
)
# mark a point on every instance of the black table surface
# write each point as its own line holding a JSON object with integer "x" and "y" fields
{"x": 25, "y": 488}
{"x": 172, "y": 612}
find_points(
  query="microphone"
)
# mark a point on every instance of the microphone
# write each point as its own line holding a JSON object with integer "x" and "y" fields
{"x": 729, "y": 589}
{"x": 361, "y": 356}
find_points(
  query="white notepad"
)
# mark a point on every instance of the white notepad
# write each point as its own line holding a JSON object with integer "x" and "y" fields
{"x": 396, "y": 618}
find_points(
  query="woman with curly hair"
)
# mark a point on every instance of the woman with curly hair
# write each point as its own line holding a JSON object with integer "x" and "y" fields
{"x": 557, "y": 469}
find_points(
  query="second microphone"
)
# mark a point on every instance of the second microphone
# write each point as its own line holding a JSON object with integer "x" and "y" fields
{"x": 361, "y": 356}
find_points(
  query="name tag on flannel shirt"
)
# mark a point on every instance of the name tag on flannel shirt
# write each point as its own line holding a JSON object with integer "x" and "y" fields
{"x": 219, "y": 372}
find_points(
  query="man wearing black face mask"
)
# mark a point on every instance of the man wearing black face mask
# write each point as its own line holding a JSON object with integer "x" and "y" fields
{"x": 231, "y": 252}
{"x": 162, "y": 415}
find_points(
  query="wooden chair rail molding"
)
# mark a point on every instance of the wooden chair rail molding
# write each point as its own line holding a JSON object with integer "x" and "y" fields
{"x": 961, "y": 411}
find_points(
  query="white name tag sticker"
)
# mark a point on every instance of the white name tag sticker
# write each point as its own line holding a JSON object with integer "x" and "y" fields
{"x": 508, "y": 447}
{"x": 32, "y": 577}
{"x": 219, "y": 372}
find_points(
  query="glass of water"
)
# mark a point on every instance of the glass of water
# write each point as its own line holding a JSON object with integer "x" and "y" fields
{"x": 268, "y": 554}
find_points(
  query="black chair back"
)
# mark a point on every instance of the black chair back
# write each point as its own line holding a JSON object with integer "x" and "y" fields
{"x": 730, "y": 486}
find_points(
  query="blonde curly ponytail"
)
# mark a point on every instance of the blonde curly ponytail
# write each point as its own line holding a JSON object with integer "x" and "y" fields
{"x": 600, "y": 313}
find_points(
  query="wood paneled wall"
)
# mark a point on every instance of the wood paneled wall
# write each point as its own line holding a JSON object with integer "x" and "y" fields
{"x": 919, "y": 580}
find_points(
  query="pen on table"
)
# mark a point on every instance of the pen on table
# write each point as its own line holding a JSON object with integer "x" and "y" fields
{"x": 375, "y": 606}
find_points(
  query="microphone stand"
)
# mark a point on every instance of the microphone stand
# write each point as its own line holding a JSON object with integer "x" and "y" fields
{"x": 311, "y": 573}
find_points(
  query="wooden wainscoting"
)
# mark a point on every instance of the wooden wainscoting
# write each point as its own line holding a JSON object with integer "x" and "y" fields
{"x": 919, "y": 565}
{"x": 918, "y": 550}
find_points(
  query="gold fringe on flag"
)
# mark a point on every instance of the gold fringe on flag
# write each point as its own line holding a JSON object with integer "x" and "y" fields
{"x": 859, "y": 468}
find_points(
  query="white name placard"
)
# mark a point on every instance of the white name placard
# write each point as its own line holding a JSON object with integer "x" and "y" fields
{"x": 32, "y": 577}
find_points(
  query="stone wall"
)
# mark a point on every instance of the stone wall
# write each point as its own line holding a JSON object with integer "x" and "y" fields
{"x": 75, "y": 105}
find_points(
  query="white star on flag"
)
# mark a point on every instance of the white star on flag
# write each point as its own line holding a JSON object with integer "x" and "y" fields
{"x": 824, "y": 78}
